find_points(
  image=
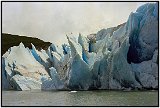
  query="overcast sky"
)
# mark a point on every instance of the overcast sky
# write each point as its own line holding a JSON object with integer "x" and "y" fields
{"x": 51, "y": 21}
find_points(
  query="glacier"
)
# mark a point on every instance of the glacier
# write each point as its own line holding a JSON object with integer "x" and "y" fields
{"x": 122, "y": 57}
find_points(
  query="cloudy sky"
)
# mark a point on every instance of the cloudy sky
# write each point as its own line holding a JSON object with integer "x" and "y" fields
{"x": 51, "y": 21}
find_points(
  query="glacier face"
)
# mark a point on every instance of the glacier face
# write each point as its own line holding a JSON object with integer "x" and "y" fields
{"x": 122, "y": 57}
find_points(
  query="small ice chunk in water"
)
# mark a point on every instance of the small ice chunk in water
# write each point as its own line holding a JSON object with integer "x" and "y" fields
{"x": 72, "y": 91}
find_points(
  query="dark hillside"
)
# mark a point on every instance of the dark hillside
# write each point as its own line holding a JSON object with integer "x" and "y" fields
{"x": 9, "y": 40}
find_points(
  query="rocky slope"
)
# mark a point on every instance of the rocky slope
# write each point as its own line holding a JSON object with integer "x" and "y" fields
{"x": 122, "y": 57}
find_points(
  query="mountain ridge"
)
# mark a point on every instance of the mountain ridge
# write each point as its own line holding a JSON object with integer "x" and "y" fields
{"x": 10, "y": 40}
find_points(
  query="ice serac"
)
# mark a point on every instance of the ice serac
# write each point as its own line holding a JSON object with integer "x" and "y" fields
{"x": 60, "y": 62}
{"x": 56, "y": 48}
{"x": 87, "y": 56}
{"x": 76, "y": 48}
{"x": 66, "y": 49}
{"x": 79, "y": 75}
{"x": 120, "y": 69}
{"x": 83, "y": 41}
{"x": 54, "y": 83}
{"x": 41, "y": 56}
{"x": 19, "y": 61}
{"x": 143, "y": 29}
{"x": 85, "y": 47}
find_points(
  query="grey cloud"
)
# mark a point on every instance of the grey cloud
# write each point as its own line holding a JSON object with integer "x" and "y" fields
{"x": 51, "y": 21}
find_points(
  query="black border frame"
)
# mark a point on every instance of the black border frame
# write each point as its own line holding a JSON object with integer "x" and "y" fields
{"x": 77, "y": 2}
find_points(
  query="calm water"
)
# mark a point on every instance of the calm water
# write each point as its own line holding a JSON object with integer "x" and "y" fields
{"x": 80, "y": 98}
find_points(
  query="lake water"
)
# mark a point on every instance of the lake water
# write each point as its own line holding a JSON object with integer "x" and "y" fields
{"x": 80, "y": 98}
